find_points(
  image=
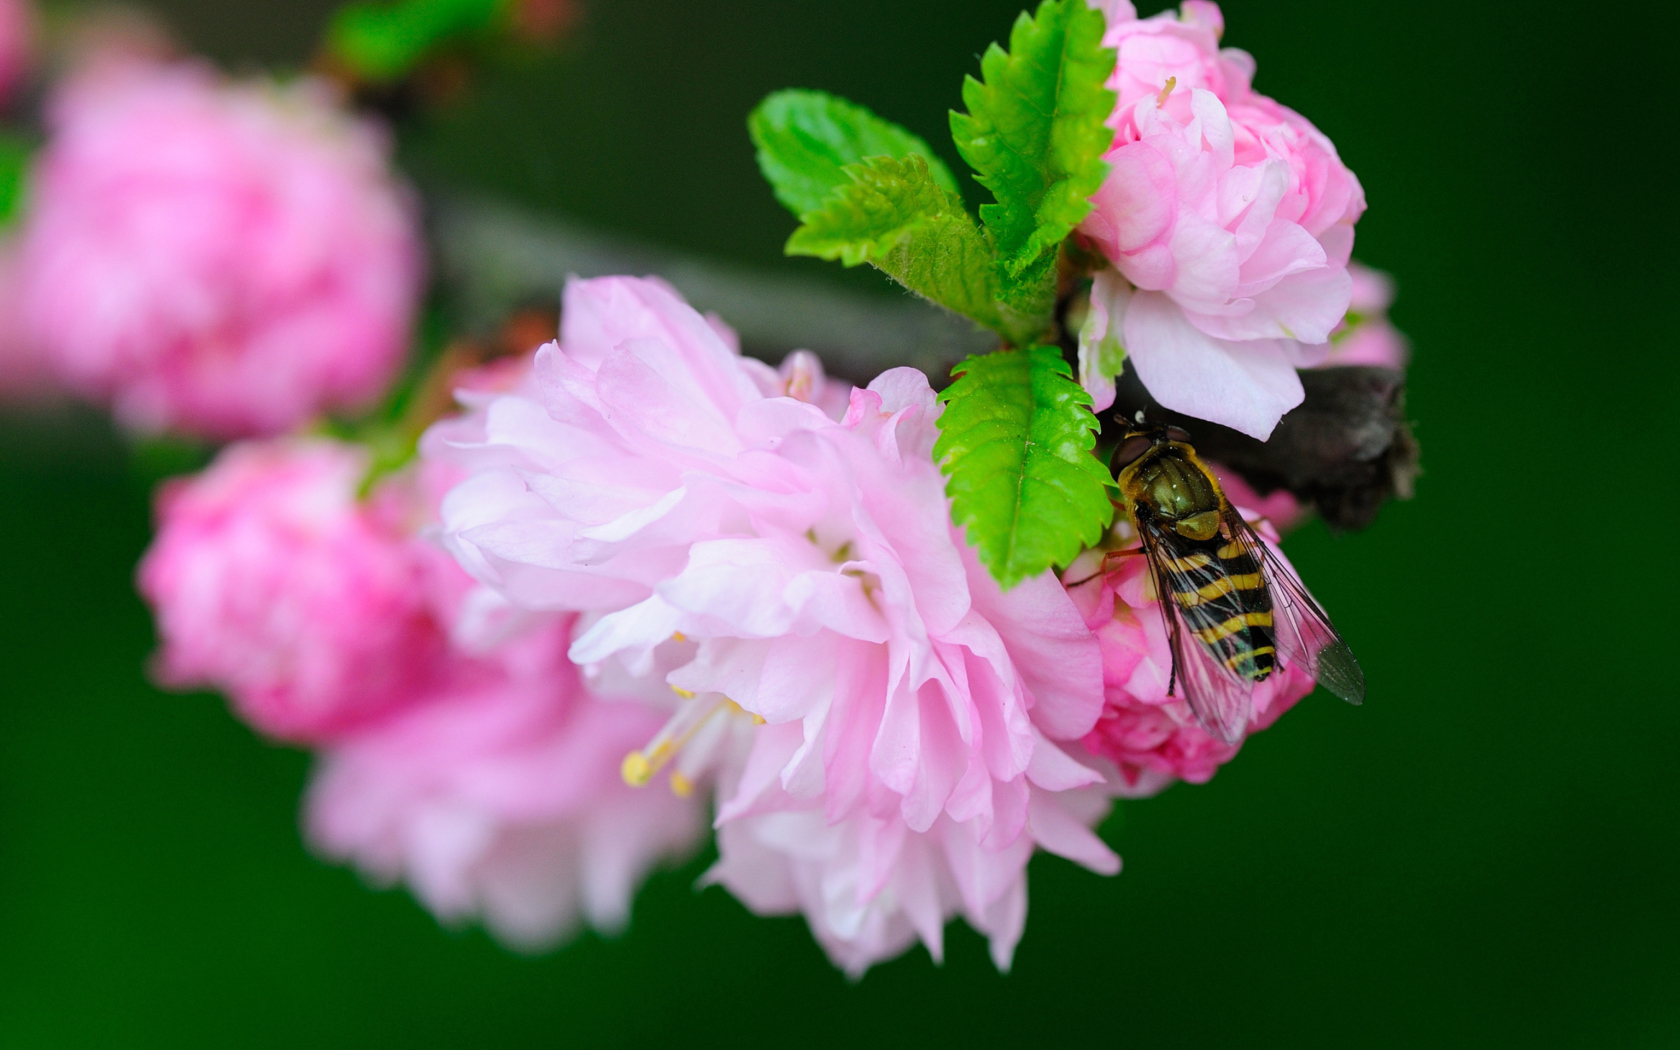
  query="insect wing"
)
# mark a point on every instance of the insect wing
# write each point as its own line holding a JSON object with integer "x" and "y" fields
{"x": 1220, "y": 698}
{"x": 1305, "y": 637}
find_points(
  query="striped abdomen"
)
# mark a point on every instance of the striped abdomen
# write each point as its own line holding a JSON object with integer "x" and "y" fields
{"x": 1222, "y": 593}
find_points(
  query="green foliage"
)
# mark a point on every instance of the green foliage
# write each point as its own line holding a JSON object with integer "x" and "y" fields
{"x": 15, "y": 155}
{"x": 1034, "y": 129}
{"x": 896, "y": 215}
{"x": 805, "y": 140}
{"x": 1017, "y": 432}
{"x": 384, "y": 41}
{"x": 1015, "y": 443}
{"x": 1027, "y": 301}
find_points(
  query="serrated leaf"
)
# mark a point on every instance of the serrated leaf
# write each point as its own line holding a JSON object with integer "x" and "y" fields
{"x": 805, "y": 140}
{"x": 1034, "y": 129}
{"x": 895, "y": 215}
{"x": 1015, "y": 443}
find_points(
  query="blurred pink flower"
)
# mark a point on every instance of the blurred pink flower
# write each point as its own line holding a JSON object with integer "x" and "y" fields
{"x": 805, "y": 567}
{"x": 214, "y": 258}
{"x": 1229, "y": 220}
{"x": 25, "y": 377}
{"x": 462, "y": 753}
{"x": 1367, "y": 337}
{"x": 272, "y": 582}
{"x": 17, "y": 43}
{"x": 1154, "y": 738}
{"x": 500, "y": 797}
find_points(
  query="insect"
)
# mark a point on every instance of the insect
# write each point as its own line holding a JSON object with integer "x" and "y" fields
{"x": 1234, "y": 611}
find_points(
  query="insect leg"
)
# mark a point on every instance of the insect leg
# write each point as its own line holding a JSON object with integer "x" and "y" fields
{"x": 1105, "y": 569}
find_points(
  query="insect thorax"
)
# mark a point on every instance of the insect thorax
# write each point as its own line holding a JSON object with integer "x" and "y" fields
{"x": 1168, "y": 484}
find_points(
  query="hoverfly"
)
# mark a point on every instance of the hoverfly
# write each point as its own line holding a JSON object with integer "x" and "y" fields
{"x": 1234, "y": 611}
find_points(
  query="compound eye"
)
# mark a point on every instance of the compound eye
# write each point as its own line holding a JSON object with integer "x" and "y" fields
{"x": 1129, "y": 450}
{"x": 1175, "y": 434}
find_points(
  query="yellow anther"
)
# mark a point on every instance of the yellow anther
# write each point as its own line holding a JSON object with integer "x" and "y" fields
{"x": 1167, "y": 89}
{"x": 679, "y": 637}
{"x": 684, "y": 693}
{"x": 636, "y": 769}
{"x": 681, "y": 786}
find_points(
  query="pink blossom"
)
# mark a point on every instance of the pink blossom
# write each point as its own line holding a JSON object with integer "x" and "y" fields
{"x": 17, "y": 41}
{"x": 752, "y": 552}
{"x": 1280, "y": 509}
{"x": 271, "y": 582}
{"x": 1367, "y": 337}
{"x": 25, "y": 376}
{"x": 462, "y": 752}
{"x": 1229, "y": 220}
{"x": 1152, "y": 737}
{"x": 216, "y": 258}
{"x": 500, "y": 797}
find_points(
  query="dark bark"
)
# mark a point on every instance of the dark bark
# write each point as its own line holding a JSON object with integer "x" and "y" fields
{"x": 1346, "y": 450}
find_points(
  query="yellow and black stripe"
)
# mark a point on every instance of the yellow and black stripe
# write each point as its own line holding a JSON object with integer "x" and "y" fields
{"x": 1225, "y": 603}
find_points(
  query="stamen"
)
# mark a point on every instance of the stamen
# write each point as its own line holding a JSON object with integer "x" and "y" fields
{"x": 636, "y": 770}
{"x": 681, "y": 786}
{"x": 679, "y": 637}
{"x": 640, "y": 766}
{"x": 1161, "y": 100}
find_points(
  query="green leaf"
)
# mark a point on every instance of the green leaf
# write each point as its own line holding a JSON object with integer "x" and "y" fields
{"x": 16, "y": 154}
{"x": 1015, "y": 443}
{"x": 895, "y": 215}
{"x": 384, "y": 41}
{"x": 1034, "y": 129}
{"x": 805, "y": 140}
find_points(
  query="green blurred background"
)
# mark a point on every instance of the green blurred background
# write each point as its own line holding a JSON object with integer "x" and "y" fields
{"x": 1487, "y": 853}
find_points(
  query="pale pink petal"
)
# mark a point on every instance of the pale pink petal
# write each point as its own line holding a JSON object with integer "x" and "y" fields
{"x": 1245, "y": 386}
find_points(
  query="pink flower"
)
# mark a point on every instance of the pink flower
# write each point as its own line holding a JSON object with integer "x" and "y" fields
{"x": 17, "y": 41}
{"x": 1280, "y": 509}
{"x": 462, "y": 752}
{"x": 1228, "y": 219}
{"x": 25, "y": 377}
{"x": 1154, "y": 738}
{"x": 1367, "y": 337}
{"x": 500, "y": 797}
{"x": 756, "y": 554}
{"x": 221, "y": 259}
{"x": 271, "y": 582}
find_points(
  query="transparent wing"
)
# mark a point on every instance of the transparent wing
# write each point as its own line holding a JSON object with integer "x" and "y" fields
{"x": 1305, "y": 637}
{"x": 1221, "y": 699}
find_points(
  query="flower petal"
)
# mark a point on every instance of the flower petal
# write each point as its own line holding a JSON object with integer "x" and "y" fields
{"x": 1247, "y": 386}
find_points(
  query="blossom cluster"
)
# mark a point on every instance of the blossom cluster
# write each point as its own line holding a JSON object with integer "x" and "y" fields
{"x": 685, "y": 566}
{"x": 482, "y": 771}
{"x": 635, "y": 585}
